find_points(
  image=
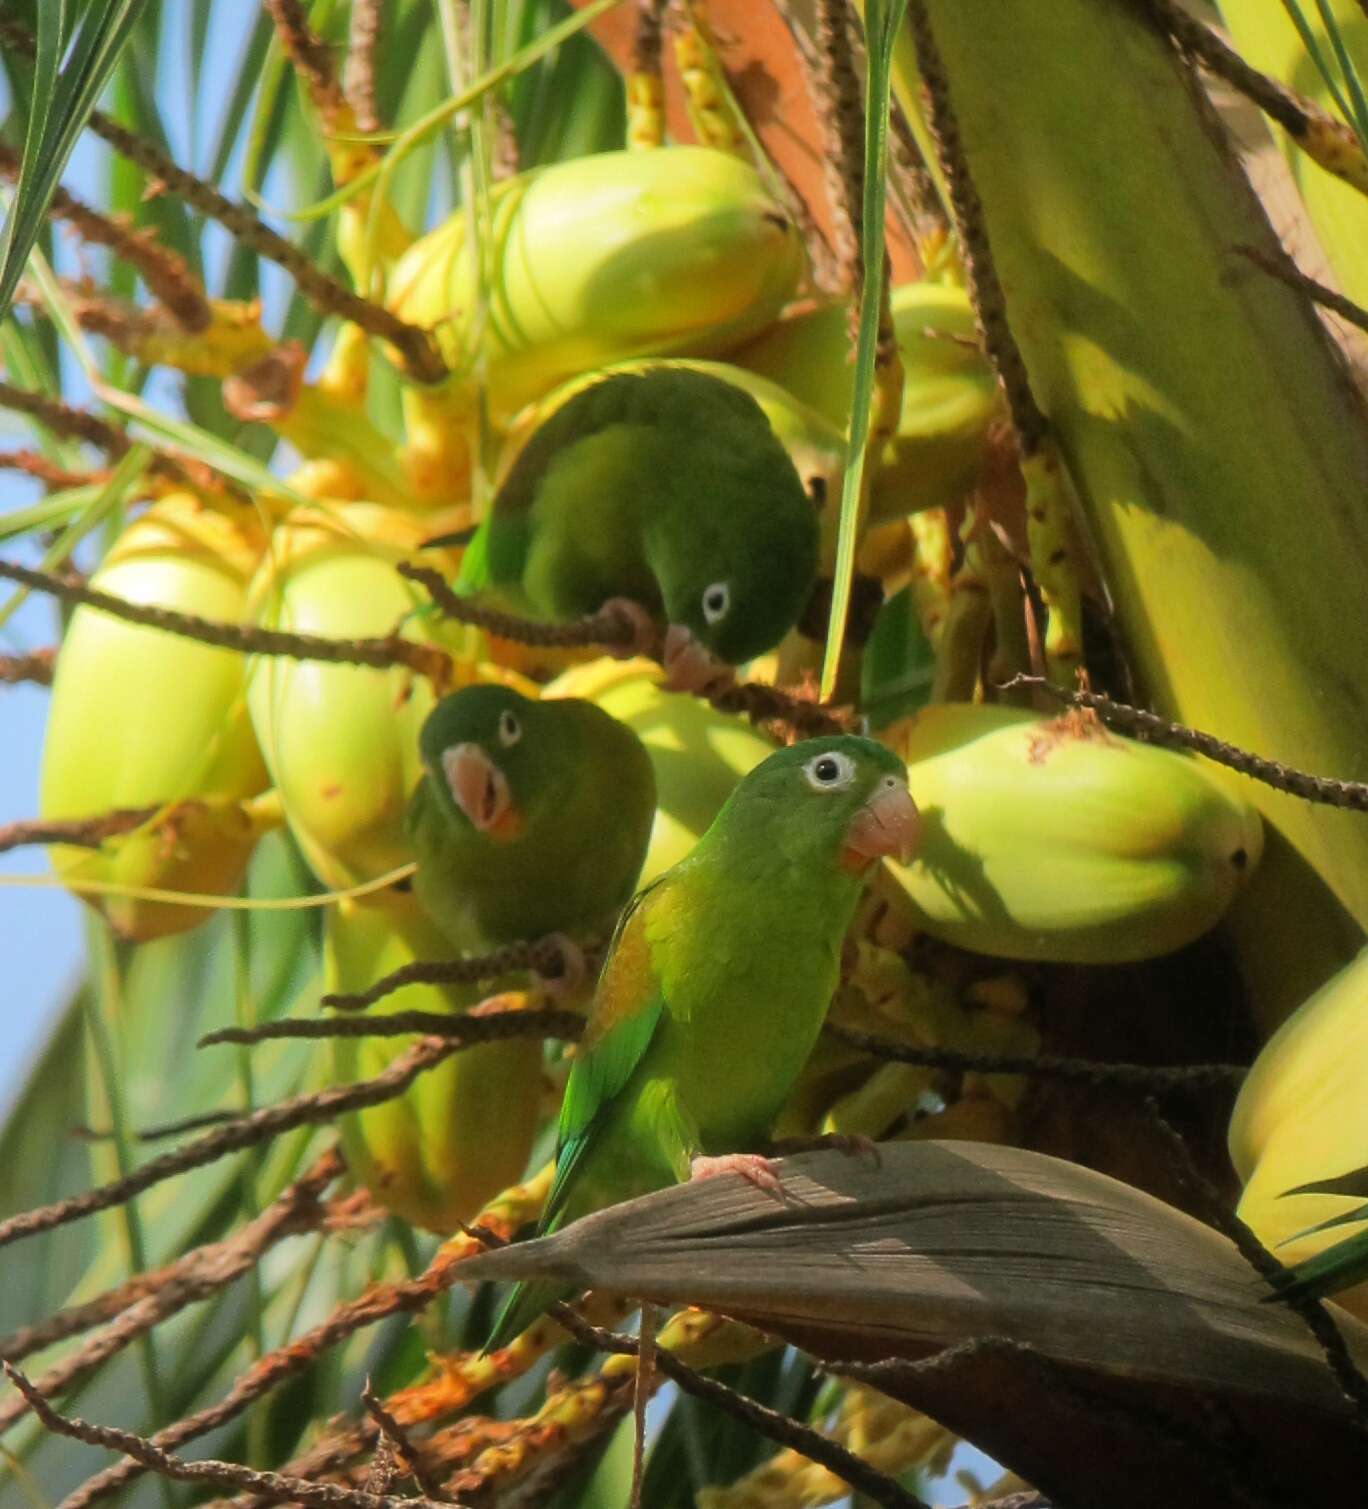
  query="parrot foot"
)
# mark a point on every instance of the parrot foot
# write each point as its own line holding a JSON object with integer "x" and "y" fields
{"x": 752, "y": 1167}
{"x": 572, "y": 971}
{"x": 645, "y": 630}
{"x": 852, "y": 1144}
{"x": 691, "y": 666}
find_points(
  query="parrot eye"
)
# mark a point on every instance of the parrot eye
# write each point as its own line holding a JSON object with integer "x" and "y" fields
{"x": 829, "y": 772}
{"x": 510, "y": 730}
{"x": 716, "y": 601}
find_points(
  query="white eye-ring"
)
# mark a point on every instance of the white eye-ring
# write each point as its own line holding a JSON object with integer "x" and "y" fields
{"x": 830, "y": 771}
{"x": 716, "y": 602}
{"x": 510, "y": 730}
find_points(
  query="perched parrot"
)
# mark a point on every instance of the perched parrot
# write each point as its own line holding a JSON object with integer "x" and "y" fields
{"x": 716, "y": 985}
{"x": 1340, "y": 1266}
{"x": 660, "y": 489}
{"x": 530, "y": 817}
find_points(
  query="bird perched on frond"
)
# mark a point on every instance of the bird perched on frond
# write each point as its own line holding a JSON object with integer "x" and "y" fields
{"x": 717, "y": 983}
{"x": 658, "y": 490}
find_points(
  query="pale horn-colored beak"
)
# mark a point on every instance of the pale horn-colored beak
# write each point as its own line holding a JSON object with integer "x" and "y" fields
{"x": 689, "y": 665}
{"x": 886, "y": 827}
{"x": 480, "y": 789}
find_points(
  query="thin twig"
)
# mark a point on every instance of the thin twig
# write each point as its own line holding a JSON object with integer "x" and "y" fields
{"x": 466, "y": 1028}
{"x": 415, "y": 346}
{"x": 1286, "y": 271}
{"x": 80, "y": 832}
{"x": 219, "y": 1474}
{"x": 761, "y": 704}
{"x": 293, "y": 1358}
{"x": 403, "y": 1448}
{"x": 1045, "y": 1066}
{"x": 165, "y": 273}
{"x": 840, "y": 113}
{"x": 990, "y": 305}
{"x": 320, "y": 1108}
{"x": 79, "y": 424}
{"x": 608, "y": 627}
{"x": 308, "y": 54}
{"x": 380, "y": 653}
{"x": 64, "y": 420}
{"x": 358, "y": 75}
{"x": 544, "y": 956}
{"x": 194, "y": 1277}
{"x": 1311, "y": 1310}
{"x": 1152, "y": 729}
{"x": 36, "y": 666}
{"x": 38, "y": 466}
{"x": 818, "y": 1448}
{"x": 1303, "y": 120}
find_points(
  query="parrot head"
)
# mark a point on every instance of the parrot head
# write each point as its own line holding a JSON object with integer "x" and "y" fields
{"x": 491, "y": 756}
{"x": 738, "y": 575}
{"x": 841, "y": 796}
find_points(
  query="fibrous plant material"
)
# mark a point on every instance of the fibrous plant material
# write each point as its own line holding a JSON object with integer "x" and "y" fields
{"x": 194, "y": 1277}
{"x": 1287, "y": 271}
{"x": 1142, "y": 724}
{"x": 83, "y": 832}
{"x": 32, "y": 665}
{"x": 164, "y": 272}
{"x": 760, "y": 703}
{"x": 778, "y": 1427}
{"x": 470, "y": 1027}
{"x": 382, "y": 653}
{"x": 414, "y": 345}
{"x": 246, "y": 1131}
{"x": 219, "y": 1474}
{"x": 503, "y": 1216}
{"x": 544, "y": 956}
{"x": 1143, "y": 1077}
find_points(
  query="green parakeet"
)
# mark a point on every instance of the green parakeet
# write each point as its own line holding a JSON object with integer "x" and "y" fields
{"x": 1338, "y": 1267}
{"x": 665, "y": 489}
{"x": 717, "y": 983}
{"x": 530, "y": 817}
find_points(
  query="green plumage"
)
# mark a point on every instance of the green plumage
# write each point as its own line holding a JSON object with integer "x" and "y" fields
{"x": 714, "y": 991}
{"x": 658, "y": 485}
{"x": 1342, "y": 1265}
{"x": 583, "y": 793}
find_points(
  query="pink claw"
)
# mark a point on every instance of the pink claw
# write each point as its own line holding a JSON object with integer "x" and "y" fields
{"x": 689, "y": 665}
{"x": 755, "y": 1169}
{"x": 645, "y": 630}
{"x": 573, "y": 969}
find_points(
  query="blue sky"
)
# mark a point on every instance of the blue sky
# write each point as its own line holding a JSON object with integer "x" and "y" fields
{"x": 40, "y": 929}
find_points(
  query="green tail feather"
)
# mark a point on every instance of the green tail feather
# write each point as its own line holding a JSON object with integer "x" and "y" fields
{"x": 528, "y": 1302}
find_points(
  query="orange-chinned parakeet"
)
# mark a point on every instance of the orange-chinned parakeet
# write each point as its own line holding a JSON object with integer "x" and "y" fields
{"x": 530, "y": 817}
{"x": 717, "y": 983}
{"x": 665, "y": 489}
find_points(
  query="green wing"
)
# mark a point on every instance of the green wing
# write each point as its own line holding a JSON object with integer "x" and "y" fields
{"x": 627, "y": 1009}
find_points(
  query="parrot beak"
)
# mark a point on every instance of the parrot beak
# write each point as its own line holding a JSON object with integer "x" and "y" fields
{"x": 886, "y": 827}
{"x": 481, "y": 791}
{"x": 689, "y": 665}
